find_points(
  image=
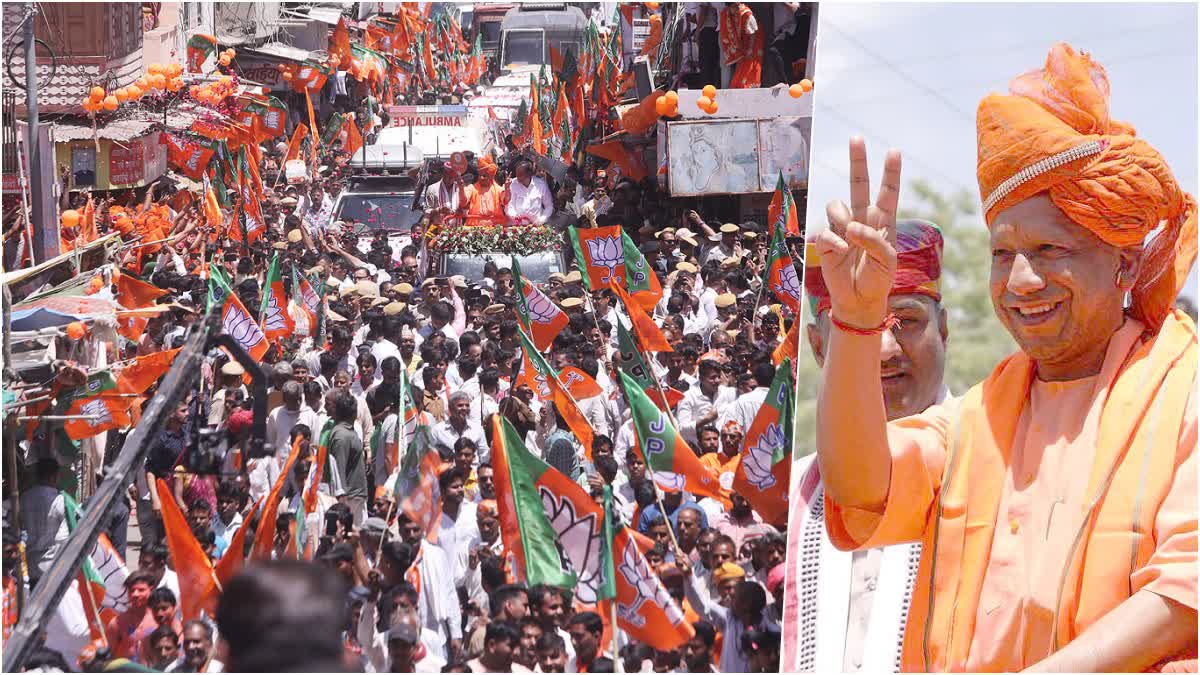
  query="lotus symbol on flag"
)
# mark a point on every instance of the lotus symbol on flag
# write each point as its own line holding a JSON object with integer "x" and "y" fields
{"x": 98, "y": 411}
{"x": 788, "y": 283}
{"x": 541, "y": 310}
{"x": 580, "y": 539}
{"x": 758, "y": 459}
{"x": 606, "y": 252}
{"x": 243, "y": 329}
{"x": 642, "y": 579}
{"x": 275, "y": 319}
{"x": 669, "y": 481}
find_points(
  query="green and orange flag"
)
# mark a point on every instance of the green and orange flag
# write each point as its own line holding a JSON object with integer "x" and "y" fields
{"x": 545, "y": 382}
{"x": 641, "y": 281}
{"x": 763, "y": 475}
{"x": 540, "y": 317}
{"x": 235, "y": 319}
{"x": 649, "y": 335}
{"x": 600, "y": 255}
{"x": 781, "y": 214}
{"x": 673, "y": 462}
{"x": 525, "y": 525}
{"x": 633, "y": 364}
{"x": 276, "y": 322}
{"x": 101, "y": 577}
{"x": 780, "y": 275}
{"x": 100, "y": 403}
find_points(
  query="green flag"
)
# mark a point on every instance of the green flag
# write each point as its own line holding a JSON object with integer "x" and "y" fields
{"x": 524, "y": 523}
{"x": 608, "y": 570}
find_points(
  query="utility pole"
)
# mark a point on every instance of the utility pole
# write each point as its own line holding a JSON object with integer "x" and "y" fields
{"x": 45, "y": 234}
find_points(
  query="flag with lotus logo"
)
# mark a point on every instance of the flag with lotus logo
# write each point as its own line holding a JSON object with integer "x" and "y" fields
{"x": 600, "y": 254}
{"x": 667, "y": 455}
{"x": 539, "y": 316}
{"x": 235, "y": 318}
{"x": 781, "y": 275}
{"x": 276, "y": 322}
{"x": 763, "y": 475}
{"x": 100, "y": 402}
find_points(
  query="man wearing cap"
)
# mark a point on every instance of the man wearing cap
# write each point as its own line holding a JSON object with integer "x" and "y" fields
{"x": 485, "y": 199}
{"x": 726, "y": 245}
{"x": 866, "y": 591}
{"x": 741, "y": 608}
{"x": 1056, "y": 501}
{"x": 529, "y": 198}
{"x": 231, "y": 380}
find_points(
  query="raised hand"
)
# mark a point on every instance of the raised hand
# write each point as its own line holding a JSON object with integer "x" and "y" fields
{"x": 858, "y": 250}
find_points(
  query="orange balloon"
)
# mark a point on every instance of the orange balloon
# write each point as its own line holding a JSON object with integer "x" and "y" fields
{"x": 807, "y": 84}
{"x": 97, "y": 93}
{"x": 111, "y": 103}
{"x": 712, "y": 108}
{"x": 709, "y": 91}
{"x": 673, "y": 111}
{"x": 703, "y": 102}
{"x": 224, "y": 60}
{"x": 76, "y": 330}
{"x": 174, "y": 70}
{"x": 135, "y": 92}
{"x": 143, "y": 83}
{"x": 672, "y": 97}
{"x": 70, "y": 218}
{"x": 661, "y": 105}
{"x": 160, "y": 81}
{"x": 796, "y": 90}
{"x": 287, "y": 75}
{"x": 122, "y": 95}
{"x": 651, "y": 6}
{"x": 174, "y": 84}
{"x": 96, "y": 284}
{"x": 154, "y": 68}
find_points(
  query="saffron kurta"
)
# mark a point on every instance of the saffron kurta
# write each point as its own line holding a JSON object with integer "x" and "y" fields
{"x": 1042, "y": 506}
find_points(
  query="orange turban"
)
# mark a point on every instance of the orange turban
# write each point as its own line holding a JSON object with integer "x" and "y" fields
{"x": 486, "y": 166}
{"x": 1053, "y": 134}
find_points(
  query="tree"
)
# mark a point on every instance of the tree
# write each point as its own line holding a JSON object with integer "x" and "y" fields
{"x": 977, "y": 340}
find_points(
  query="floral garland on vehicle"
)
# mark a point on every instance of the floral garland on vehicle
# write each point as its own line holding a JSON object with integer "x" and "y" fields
{"x": 478, "y": 239}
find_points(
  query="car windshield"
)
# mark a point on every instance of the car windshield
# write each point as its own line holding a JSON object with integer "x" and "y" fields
{"x": 523, "y": 47}
{"x": 380, "y": 212}
{"x": 536, "y": 267}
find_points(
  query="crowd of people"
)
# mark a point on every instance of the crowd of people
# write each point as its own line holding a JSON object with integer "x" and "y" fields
{"x": 336, "y": 569}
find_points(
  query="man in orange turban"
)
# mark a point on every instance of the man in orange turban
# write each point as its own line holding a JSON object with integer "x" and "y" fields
{"x": 485, "y": 203}
{"x": 1056, "y": 501}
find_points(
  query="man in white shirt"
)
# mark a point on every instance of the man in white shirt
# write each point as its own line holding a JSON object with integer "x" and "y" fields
{"x": 42, "y": 512}
{"x": 458, "y": 425}
{"x": 315, "y": 209}
{"x": 530, "y": 201}
{"x": 281, "y": 420}
{"x": 432, "y": 575}
{"x": 747, "y": 405}
{"x": 703, "y": 404}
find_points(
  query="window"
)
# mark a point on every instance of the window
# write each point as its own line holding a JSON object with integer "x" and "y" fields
{"x": 83, "y": 166}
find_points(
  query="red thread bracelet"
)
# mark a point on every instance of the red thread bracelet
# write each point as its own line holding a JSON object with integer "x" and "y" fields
{"x": 888, "y": 321}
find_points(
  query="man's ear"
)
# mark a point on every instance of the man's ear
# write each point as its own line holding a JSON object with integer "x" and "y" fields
{"x": 1130, "y": 265}
{"x": 943, "y": 323}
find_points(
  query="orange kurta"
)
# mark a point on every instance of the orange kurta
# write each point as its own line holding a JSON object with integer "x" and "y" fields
{"x": 1042, "y": 506}
{"x": 485, "y": 206}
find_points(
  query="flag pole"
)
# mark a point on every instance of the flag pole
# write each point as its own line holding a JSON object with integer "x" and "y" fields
{"x": 657, "y": 493}
{"x": 618, "y": 665}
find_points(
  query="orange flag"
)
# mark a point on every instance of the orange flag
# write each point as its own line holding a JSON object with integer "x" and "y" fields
{"x": 790, "y": 347}
{"x": 630, "y": 163}
{"x": 339, "y": 45}
{"x": 229, "y": 565}
{"x": 648, "y": 332}
{"x": 294, "y": 144}
{"x": 312, "y": 122}
{"x": 133, "y": 293}
{"x": 137, "y": 377}
{"x": 264, "y": 538}
{"x": 193, "y": 568}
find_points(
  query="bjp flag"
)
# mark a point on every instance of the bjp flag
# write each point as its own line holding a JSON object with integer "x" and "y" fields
{"x": 781, "y": 275}
{"x": 648, "y": 332}
{"x": 763, "y": 475}
{"x": 781, "y": 214}
{"x": 599, "y": 254}
{"x": 100, "y": 401}
{"x": 673, "y": 463}
{"x": 542, "y": 318}
{"x": 137, "y": 377}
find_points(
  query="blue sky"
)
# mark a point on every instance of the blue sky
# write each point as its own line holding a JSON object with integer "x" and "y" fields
{"x": 910, "y": 76}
